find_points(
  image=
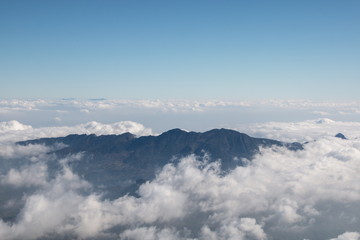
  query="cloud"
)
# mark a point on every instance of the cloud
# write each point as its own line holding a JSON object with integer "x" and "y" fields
{"x": 280, "y": 195}
{"x": 86, "y": 106}
{"x": 49, "y": 209}
{"x": 309, "y": 130}
{"x": 162, "y": 115}
{"x": 115, "y": 128}
{"x": 63, "y": 105}
{"x": 309, "y": 194}
{"x": 20, "y": 105}
{"x": 149, "y": 233}
{"x": 242, "y": 228}
{"x": 87, "y": 111}
{"x": 16, "y": 131}
{"x": 348, "y": 236}
{"x": 35, "y": 175}
{"x": 13, "y": 126}
{"x": 33, "y": 152}
{"x": 321, "y": 113}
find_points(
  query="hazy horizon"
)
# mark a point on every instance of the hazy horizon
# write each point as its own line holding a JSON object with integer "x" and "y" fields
{"x": 281, "y": 70}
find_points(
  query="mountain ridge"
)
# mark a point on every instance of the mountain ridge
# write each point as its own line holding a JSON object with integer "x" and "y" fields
{"x": 112, "y": 159}
{"x": 175, "y": 141}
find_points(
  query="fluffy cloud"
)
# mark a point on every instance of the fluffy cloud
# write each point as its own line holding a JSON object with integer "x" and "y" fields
{"x": 7, "y": 106}
{"x": 240, "y": 229}
{"x": 87, "y": 106}
{"x": 172, "y": 105}
{"x": 309, "y": 194}
{"x": 11, "y": 150}
{"x": 162, "y": 115}
{"x": 13, "y": 126}
{"x": 348, "y": 236}
{"x": 15, "y": 131}
{"x": 36, "y": 175}
{"x": 309, "y": 130}
{"x": 149, "y": 233}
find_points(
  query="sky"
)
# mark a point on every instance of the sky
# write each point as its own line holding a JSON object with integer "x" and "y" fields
{"x": 283, "y": 70}
{"x": 227, "y": 50}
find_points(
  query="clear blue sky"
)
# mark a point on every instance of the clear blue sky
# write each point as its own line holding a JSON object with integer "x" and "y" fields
{"x": 187, "y": 49}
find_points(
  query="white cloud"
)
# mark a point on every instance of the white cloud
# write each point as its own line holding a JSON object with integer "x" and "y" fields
{"x": 235, "y": 229}
{"x": 281, "y": 194}
{"x": 302, "y": 131}
{"x": 348, "y": 236}
{"x": 51, "y": 208}
{"x": 35, "y": 175}
{"x": 15, "y": 131}
{"x": 57, "y": 119}
{"x": 114, "y": 128}
{"x": 87, "y": 111}
{"x": 162, "y": 115}
{"x": 20, "y": 105}
{"x": 321, "y": 113}
{"x": 317, "y": 107}
{"x": 149, "y": 233}
{"x": 13, "y": 126}
{"x": 33, "y": 152}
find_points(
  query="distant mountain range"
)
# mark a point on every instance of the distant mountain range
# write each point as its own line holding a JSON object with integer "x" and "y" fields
{"x": 113, "y": 160}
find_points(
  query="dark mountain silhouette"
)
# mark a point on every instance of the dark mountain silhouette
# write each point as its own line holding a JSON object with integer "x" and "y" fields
{"x": 111, "y": 160}
{"x": 340, "y": 135}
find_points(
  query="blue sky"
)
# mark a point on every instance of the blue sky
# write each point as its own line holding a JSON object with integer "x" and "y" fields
{"x": 233, "y": 50}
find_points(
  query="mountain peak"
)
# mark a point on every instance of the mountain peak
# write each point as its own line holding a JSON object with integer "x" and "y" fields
{"x": 174, "y": 131}
{"x": 340, "y": 135}
{"x": 116, "y": 157}
{"x": 223, "y": 131}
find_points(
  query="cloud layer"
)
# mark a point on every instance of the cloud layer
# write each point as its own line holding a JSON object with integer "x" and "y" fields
{"x": 16, "y": 131}
{"x": 309, "y": 194}
{"x": 349, "y": 107}
{"x": 162, "y": 115}
{"x": 309, "y": 130}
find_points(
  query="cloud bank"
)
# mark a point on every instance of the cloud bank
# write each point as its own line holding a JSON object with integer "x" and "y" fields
{"x": 16, "y": 131}
{"x": 173, "y": 105}
{"x": 309, "y": 194}
{"x": 309, "y": 130}
{"x": 162, "y": 115}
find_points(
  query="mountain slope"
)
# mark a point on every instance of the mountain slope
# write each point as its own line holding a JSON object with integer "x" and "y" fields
{"x": 111, "y": 160}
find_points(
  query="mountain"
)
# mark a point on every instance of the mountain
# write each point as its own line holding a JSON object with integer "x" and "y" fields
{"x": 111, "y": 160}
{"x": 340, "y": 135}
